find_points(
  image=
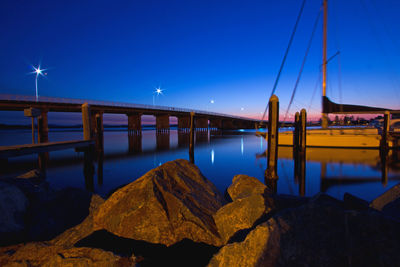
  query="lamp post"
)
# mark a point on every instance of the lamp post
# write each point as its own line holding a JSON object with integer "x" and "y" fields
{"x": 157, "y": 92}
{"x": 38, "y": 71}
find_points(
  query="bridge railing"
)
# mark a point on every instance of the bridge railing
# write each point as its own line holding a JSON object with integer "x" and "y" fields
{"x": 46, "y": 99}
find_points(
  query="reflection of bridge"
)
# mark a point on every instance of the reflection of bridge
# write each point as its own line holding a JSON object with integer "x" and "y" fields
{"x": 203, "y": 119}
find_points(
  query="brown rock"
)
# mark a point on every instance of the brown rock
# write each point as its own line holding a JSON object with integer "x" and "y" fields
{"x": 167, "y": 204}
{"x": 239, "y": 215}
{"x": 319, "y": 233}
{"x": 244, "y": 186}
{"x": 43, "y": 254}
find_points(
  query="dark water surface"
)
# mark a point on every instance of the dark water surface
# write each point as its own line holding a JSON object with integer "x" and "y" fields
{"x": 219, "y": 155}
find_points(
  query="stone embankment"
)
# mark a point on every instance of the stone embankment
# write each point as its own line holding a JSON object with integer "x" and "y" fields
{"x": 173, "y": 215}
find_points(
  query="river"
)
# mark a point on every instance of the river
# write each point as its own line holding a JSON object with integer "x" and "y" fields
{"x": 219, "y": 155}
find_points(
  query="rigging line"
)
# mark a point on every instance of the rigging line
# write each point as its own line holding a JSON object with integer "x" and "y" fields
{"x": 303, "y": 63}
{"x": 284, "y": 57}
{"x": 315, "y": 89}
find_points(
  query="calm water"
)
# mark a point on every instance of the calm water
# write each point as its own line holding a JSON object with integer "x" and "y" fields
{"x": 219, "y": 156}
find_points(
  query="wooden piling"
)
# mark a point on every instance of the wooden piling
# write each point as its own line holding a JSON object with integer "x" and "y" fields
{"x": 302, "y": 129}
{"x": 191, "y": 142}
{"x": 273, "y": 126}
{"x": 296, "y": 136}
{"x": 99, "y": 132}
{"x": 33, "y": 129}
{"x": 385, "y": 131}
{"x": 87, "y": 134}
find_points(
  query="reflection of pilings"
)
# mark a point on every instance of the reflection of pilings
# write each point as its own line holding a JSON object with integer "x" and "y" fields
{"x": 201, "y": 136}
{"x": 99, "y": 133}
{"x": 183, "y": 138}
{"x": 191, "y": 141}
{"x": 88, "y": 168}
{"x": 162, "y": 139}
{"x": 272, "y": 184}
{"x": 273, "y": 125}
{"x": 385, "y": 132}
{"x": 100, "y": 160}
{"x": 300, "y": 170}
{"x": 384, "y": 165}
{"x": 43, "y": 158}
{"x": 134, "y": 143}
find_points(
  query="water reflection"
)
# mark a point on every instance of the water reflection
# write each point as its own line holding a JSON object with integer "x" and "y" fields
{"x": 127, "y": 157}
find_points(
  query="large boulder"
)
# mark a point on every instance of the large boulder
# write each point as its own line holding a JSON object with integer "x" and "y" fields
{"x": 13, "y": 208}
{"x": 239, "y": 215}
{"x": 166, "y": 205}
{"x": 244, "y": 186}
{"x": 43, "y": 254}
{"x": 319, "y": 233}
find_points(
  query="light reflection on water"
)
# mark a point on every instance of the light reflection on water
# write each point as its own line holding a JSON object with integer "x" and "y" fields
{"x": 219, "y": 156}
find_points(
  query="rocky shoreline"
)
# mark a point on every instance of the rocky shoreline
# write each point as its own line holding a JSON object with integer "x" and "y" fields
{"x": 173, "y": 215}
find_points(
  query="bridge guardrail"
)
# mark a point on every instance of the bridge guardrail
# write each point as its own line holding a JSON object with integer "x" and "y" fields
{"x": 46, "y": 99}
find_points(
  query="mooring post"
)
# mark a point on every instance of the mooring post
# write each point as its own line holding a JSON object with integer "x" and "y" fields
{"x": 385, "y": 132}
{"x": 273, "y": 125}
{"x": 296, "y": 136}
{"x": 99, "y": 132}
{"x": 302, "y": 128}
{"x": 87, "y": 134}
{"x": 191, "y": 143}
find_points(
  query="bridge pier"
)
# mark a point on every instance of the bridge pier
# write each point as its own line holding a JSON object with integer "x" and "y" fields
{"x": 215, "y": 124}
{"x": 162, "y": 123}
{"x": 162, "y": 140}
{"x": 227, "y": 124}
{"x": 184, "y": 123}
{"x": 134, "y": 123}
{"x": 201, "y": 123}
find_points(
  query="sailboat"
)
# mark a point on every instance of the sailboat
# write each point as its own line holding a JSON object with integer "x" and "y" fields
{"x": 366, "y": 137}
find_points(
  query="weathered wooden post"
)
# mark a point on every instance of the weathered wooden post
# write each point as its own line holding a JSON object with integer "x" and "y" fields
{"x": 191, "y": 142}
{"x": 296, "y": 136}
{"x": 99, "y": 132}
{"x": 302, "y": 128}
{"x": 273, "y": 125}
{"x": 87, "y": 133}
{"x": 385, "y": 131}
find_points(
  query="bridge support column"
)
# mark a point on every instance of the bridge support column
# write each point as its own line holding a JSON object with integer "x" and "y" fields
{"x": 215, "y": 124}
{"x": 184, "y": 123}
{"x": 162, "y": 140}
{"x": 201, "y": 124}
{"x": 162, "y": 123}
{"x": 43, "y": 127}
{"x": 134, "y": 123}
{"x": 227, "y": 124}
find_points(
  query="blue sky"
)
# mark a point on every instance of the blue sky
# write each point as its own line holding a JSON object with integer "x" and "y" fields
{"x": 228, "y": 51}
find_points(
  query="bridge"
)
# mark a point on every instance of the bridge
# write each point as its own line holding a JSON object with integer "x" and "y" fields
{"x": 203, "y": 120}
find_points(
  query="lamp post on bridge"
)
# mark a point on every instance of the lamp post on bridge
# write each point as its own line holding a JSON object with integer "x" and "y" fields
{"x": 157, "y": 92}
{"x": 38, "y": 71}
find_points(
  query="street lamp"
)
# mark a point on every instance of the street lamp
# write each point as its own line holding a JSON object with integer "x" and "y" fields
{"x": 157, "y": 92}
{"x": 38, "y": 71}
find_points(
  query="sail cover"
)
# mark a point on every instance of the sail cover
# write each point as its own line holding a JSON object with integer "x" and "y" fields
{"x": 331, "y": 107}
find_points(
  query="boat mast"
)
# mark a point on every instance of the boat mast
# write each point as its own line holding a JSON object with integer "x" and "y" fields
{"x": 324, "y": 44}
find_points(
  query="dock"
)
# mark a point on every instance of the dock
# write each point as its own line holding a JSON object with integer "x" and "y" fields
{"x": 20, "y": 150}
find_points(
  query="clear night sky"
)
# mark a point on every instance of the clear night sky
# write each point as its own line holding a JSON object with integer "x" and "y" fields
{"x": 228, "y": 51}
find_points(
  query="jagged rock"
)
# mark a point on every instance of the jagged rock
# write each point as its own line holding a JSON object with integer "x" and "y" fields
{"x": 43, "y": 254}
{"x": 239, "y": 215}
{"x": 13, "y": 207}
{"x": 244, "y": 186}
{"x": 319, "y": 233}
{"x": 279, "y": 202}
{"x": 33, "y": 174}
{"x": 82, "y": 230}
{"x": 352, "y": 202}
{"x": 167, "y": 204}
